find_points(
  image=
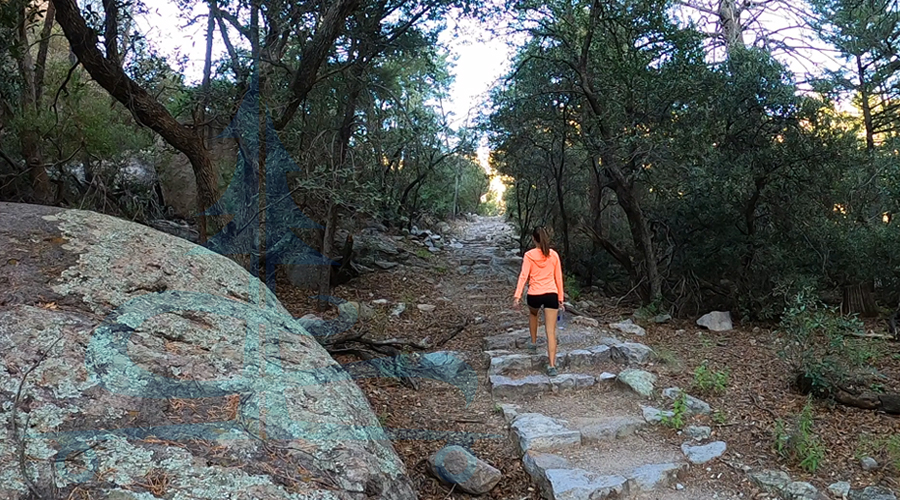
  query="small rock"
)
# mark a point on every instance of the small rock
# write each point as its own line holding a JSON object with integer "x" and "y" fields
{"x": 632, "y": 352}
{"x": 756, "y": 329}
{"x": 383, "y": 264}
{"x": 655, "y": 415}
{"x": 445, "y": 365}
{"x": 694, "y": 405}
{"x": 679, "y": 486}
{"x": 398, "y": 309}
{"x": 638, "y": 380}
{"x": 679, "y": 332}
{"x": 456, "y": 465}
{"x": 872, "y": 493}
{"x": 800, "y": 490}
{"x": 434, "y": 249}
{"x": 380, "y": 302}
{"x": 868, "y": 463}
{"x": 698, "y": 432}
{"x": 510, "y": 411}
{"x": 704, "y": 453}
{"x": 607, "y": 376}
{"x": 585, "y": 321}
{"x": 770, "y": 481}
{"x": 427, "y": 307}
{"x": 717, "y": 321}
{"x": 661, "y": 318}
{"x": 839, "y": 489}
{"x": 629, "y": 327}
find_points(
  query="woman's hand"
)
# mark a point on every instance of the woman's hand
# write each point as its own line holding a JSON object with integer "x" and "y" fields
{"x": 562, "y": 307}
{"x": 517, "y": 304}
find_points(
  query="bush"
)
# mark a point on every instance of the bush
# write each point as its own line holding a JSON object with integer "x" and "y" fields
{"x": 817, "y": 347}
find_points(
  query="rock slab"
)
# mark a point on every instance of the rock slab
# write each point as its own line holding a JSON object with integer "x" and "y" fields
{"x": 704, "y": 453}
{"x": 771, "y": 481}
{"x": 533, "y": 431}
{"x": 717, "y": 321}
{"x": 872, "y": 493}
{"x": 628, "y": 327}
{"x": 456, "y": 465}
{"x": 66, "y": 271}
{"x": 639, "y": 381}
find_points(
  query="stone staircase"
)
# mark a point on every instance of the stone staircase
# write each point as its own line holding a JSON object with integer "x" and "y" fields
{"x": 583, "y": 435}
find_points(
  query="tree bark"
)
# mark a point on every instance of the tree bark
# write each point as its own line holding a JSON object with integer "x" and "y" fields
{"x": 29, "y": 136}
{"x": 314, "y": 54}
{"x": 146, "y": 109}
{"x": 866, "y": 105}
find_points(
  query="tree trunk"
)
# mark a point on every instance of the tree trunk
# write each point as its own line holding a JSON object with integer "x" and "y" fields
{"x": 866, "y": 105}
{"x": 29, "y": 136}
{"x": 859, "y": 299}
{"x": 640, "y": 229}
{"x": 730, "y": 22}
{"x": 146, "y": 109}
{"x": 207, "y": 73}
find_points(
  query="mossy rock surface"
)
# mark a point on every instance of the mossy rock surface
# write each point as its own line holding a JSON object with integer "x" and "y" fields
{"x": 147, "y": 376}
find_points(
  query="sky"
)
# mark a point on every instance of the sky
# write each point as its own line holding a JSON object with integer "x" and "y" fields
{"x": 479, "y": 59}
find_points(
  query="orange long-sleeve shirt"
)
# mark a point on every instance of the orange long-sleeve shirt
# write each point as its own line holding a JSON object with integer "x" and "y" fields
{"x": 542, "y": 273}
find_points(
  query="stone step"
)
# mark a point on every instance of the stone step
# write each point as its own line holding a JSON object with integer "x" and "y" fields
{"x": 606, "y": 347}
{"x": 503, "y": 362}
{"x": 606, "y": 428}
{"x": 537, "y": 432}
{"x": 505, "y": 387}
{"x": 558, "y": 478}
{"x": 519, "y": 339}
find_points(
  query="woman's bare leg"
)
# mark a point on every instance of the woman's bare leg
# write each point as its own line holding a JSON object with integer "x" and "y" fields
{"x": 533, "y": 324}
{"x": 550, "y": 316}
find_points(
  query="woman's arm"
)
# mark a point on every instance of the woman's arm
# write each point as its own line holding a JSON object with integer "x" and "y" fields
{"x": 523, "y": 277}
{"x": 557, "y": 275}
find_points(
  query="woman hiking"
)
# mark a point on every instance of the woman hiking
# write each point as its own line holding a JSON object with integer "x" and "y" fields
{"x": 543, "y": 272}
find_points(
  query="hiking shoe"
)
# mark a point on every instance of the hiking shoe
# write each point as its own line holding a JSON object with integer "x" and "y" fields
{"x": 551, "y": 371}
{"x": 532, "y": 346}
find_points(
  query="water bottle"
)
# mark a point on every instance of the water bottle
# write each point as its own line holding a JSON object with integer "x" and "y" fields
{"x": 560, "y": 320}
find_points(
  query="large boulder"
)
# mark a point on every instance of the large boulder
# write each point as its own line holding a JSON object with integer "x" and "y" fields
{"x": 131, "y": 361}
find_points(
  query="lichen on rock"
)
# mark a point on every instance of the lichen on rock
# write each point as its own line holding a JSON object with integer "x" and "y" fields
{"x": 148, "y": 359}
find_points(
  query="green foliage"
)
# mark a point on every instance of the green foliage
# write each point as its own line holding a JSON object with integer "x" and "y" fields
{"x": 572, "y": 286}
{"x": 720, "y": 417}
{"x": 817, "y": 345}
{"x": 666, "y": 356}
{"x": 798, "y": 442}
{"x": 885, "y": 449}
{"x": 710, "y": 381}
{"x": 679, "y": 413}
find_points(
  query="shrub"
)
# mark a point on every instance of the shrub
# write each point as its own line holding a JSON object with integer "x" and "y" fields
{"x": 707, "y": 380}
{"x": 799, "y": 443}
{"x": 817, "y": 345}
{"x": 679, "y": 413}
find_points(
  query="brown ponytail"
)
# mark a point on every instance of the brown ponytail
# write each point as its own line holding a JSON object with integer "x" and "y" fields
{"x": 542, "y": 238}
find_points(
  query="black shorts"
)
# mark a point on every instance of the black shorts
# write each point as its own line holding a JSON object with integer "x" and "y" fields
{"x": 548, "y": 300}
